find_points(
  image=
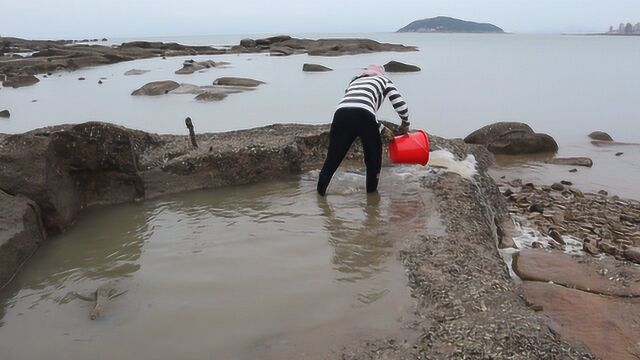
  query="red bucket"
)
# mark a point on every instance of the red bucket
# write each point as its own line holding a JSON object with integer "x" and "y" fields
{"x": 410, "y": 148}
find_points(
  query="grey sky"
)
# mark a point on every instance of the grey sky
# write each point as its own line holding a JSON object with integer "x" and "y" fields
{"x": 131, "y": 18}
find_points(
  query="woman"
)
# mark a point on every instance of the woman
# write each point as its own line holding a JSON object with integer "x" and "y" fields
{"x": 356, "y": 117}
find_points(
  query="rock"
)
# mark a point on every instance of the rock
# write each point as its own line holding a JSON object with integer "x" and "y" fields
{"x": 619, "y": 153}
{"x": 512, "y": 139}
{"x": 211, "y": 96}
{"x": 557, "y": 237}
{"x": 574, "y": 161}
{"x": 190, "y": 66}
{"x": 315, "y": 68}
{"x": 557, "y": 186}
{"x": 395, "y": 67}
{"x": 135, "y": 72}
{"x": 539, "y": 208}
{"x": 156, "y": 88}
{"x": 633, "y": 254}
{"x": 236, "y": 81}
{"x": 590, "y": 248}
{"x": 281, "y": 51}
{"x": 17, "y": 81}
{"x": 99, "y": 81}
{"x": 21, "y": 232}
{"x": 604, "y": 324}
{"x": 5, "y": 114}
{"x": 81, "y": 78}
{"x": 601, "y": 136}
{"x": 248, "y": 43}
{"x": 608, "y": 248}
{"x": 573, "y": 170}
{"x": 105, "y": 39}
{"x": 581, "y": 273}
{"x": 566, "y": 182}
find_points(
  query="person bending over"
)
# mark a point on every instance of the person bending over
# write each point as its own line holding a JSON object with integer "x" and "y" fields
{"x": 356, "y": 117}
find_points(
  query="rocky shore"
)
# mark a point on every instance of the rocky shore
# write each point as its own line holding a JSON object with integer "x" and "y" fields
{"x": 468, "y": 305}
{"x": 21, "y": 60}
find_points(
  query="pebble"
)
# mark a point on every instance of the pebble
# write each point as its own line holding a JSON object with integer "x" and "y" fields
{"x": 565, "y": 182}
{"x": 557, "y": 186}
{"x": 573, "y": 170}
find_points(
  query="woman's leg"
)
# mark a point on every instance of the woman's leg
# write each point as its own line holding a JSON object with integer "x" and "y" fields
{"x": 372, "y": 146}
{"x": 341, "y": 137}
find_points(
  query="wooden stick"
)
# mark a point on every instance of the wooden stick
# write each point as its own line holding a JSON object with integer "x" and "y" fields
{"x": 192, "y": 133}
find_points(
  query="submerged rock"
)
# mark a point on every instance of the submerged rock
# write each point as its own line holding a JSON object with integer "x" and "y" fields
{"x": 572, "y": 161}
{"x": 191, "y": 66}
{"x": 236, "y": 81}
{"x": 211, "y": 96}
{"x": 396, "y": 66}
{"x": 156, "y": 88}
{"x": 5, "y": 114}
{"x": 315, "y": 68}
{"x": 601, "y": 136}
{"x": 512, "y": 138}
{"x": 135, "y": 72}
{"x": 20, "y": 233}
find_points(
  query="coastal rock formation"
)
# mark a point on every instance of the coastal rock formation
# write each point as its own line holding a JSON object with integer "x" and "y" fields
{"x": 17, "y": 81}
{"x": 512, "y": 138}
{"x": 282, "y": 51}
{"x": 20, "y": 233}
{"x": 600, "y": 136}
{"x": 396, "y": 66}
{"x": 135, "y": 72}
{"x": 210, "y": 96}
{"x": 156, "y": 88}
{"x": 50, "y": 56}
{"x": 191, "y": 66}
{"x": 5, "y": 114}
{"x": 572, "y": 161}
{"x": 315, "y": 68}
{"x": 236, "y": 81}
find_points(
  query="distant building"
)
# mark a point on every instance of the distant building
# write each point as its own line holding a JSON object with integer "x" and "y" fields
{"x": 611, "y": 28}
{"x": 636, "y": 28}
{"x": 628, "y": 29}
{"x": 621, "y": 28}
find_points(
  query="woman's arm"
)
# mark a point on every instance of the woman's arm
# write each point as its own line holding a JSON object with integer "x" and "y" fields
{"x": 398, "y": 103}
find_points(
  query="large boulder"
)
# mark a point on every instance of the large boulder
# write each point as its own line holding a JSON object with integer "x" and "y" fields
{"x": 236, "y": 81}
{"x": 512, "y": 138}
{"x": 315, "y": 68}
{"x": 156, "y": 88}
{"x": 248, "y": 43}
{"x": 600, "y": 136}
{"x": 396, "y": 66}
{"x": 5, "y": 114}
{"x": 135, "y": 72}
{"x": 17, "y": 81}
{"x": 21, "y": 231}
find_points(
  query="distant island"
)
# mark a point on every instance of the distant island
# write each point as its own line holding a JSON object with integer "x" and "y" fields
{"x": 443, "y": 24}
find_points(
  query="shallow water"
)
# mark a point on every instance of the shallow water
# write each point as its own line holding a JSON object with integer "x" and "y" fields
{"x": 263, "y": 271}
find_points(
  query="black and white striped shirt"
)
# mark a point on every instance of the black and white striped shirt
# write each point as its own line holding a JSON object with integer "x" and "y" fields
{"x": 368, "y": 92}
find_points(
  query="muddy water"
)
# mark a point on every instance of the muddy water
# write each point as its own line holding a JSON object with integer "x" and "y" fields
{"x": 264, "y": 271}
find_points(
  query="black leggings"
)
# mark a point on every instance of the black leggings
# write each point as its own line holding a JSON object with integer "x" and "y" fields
{"x": 347, "y": 125}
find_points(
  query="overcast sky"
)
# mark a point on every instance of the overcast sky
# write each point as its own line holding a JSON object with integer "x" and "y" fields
{"x": 131, "y": 18}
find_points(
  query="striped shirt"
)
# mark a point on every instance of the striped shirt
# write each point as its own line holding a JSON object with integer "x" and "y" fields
{"x": 369, "y": 92}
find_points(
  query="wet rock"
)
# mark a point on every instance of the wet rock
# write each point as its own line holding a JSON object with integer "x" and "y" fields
{"x": 601, "y": 136}
{"x": 156, "y": 88}
{"x": 512, "y": 138}
{"x": 211, "y": 96}
{"x": 5, "y": 114}
{"x": 633, "y": 254}
{"x": 590, "y": 248}
{"x": 536, "y": 245}
{"x": 581, "y": 273}
{"x": 81, "y": 78}
{"x": 557, "y": 237}
{"x": 21, "y": 232}
{"x": 573, "y": 170}
{"x": 539, "y": 208}
{"x": 557, "y": 186}
{"x": 629, "y": 219}
{"x": 395, "y": 66}
{"x": 190, "y": 66}
{"x": 608, "y": 248}
{"x": 17, "y": 81}
{"x": 236, "y": 81}
{"x": 565, "y": 182}
{"x": 99, "y": 81}
{"x": 574, "y": 161}
{"x": 508, "y": 192}
{"x": 135, "y": 72}
{"x": 619, "y": 153}
{"x": 603, "y": 192}
{"x": 315, "y": 68}
{"x": 248, "y": 43}
{"x": 604, "y": 324}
